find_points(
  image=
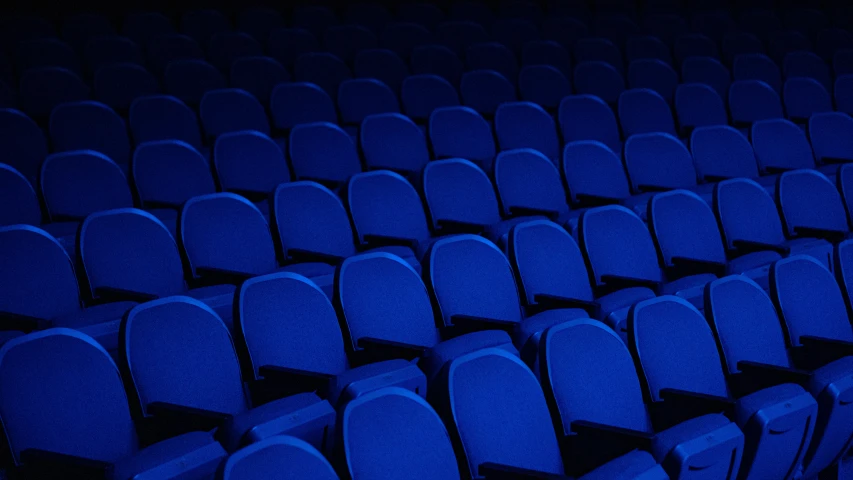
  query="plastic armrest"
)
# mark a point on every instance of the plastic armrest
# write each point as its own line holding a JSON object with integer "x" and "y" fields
{"x": 596, "y": 200}
{"x": 533, "y": 211}
{"x": 221, "y": 275}
{"x": 46, "y": 464}
{"x": 471, "y": 322}
{"x": 610, "y": 437}
{"x": 375, "y": 240}
{"x": 698, "y": 265}
{"x": 457, "y": 226}
{"x": 762, "y": 375}
{"x": 185, "y": 419}
{"x": 303, "y": 255}
{"x": 835, "y": 160}
{"x": 388, "y": 349}
{"x": 302, "y": 379}
{"x": 162, "y": 204}
{"x": 697, "y": 403}
{"x": 619, "y": 281}
{"x": 816, "y": 232}
{"x": 751, "y": 246}
{"x": 555, "y": 301}
{"x": 23, "y": 323}
{"x": 497, "y": 471}
{"x": 653, "y": 188}
{"x": 111, "y": 294}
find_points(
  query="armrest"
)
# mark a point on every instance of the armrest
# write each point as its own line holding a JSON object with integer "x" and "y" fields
{"x": 532, "y": 212}
{"x": 481, "y": 323}
{"x": 221, "y": 275}
{"x": 111, "y": 294}
{"x": 762, "y": 375}
{"x": 375, "y": 240}
{"x": 834, "y": 160}
{"x": 46, "y": 464}
{"x": 608, "y": 437}
{"x": 162, "y": 204}
{"x": 388, "y": 349}
{"x": 751, "y": 246}
{"x": 23, "y": 323}
{"x": 619, "y": 281}
{"x": 824, "y": 233}
{"x": 653, "y": 188}
{"x": 497, "y": 471}
{"x": 596, "y": 200}
{"x": 698, "y": 265}
{"x": 695, "y": 404}
{"x": 555, "y": 301}
{"x": 826, "y": 348}
{"x": 456, "y": 226}
{"x": 303, "y": 255}
{"x": 302, "y": 379}
{"x": 184, "y": 419}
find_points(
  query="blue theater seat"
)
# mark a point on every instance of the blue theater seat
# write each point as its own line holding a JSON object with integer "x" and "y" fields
{"x": 527, "y": 125}
{"x": 383, "y": 65}
{"x": 167, "y": 173}
{"x": 587, "y": 117}
{"x": 829, "y": 134}
{"x": 708, "y": 71}
{"x": 654, "y": 75}
{"x": 390, "y": 141}
{"x": 492, "y": 56}
{"x": 392, "y": 432}
{"x": 189, "y": 80}
{"x": 599, "y": 79}
{"x": 721, "y": 152}
{"x": 830, "y": 40}
{"x": 119, "y": 84}
{"x": 437, "y": 60}
{"x": 642, "y": 110}
{"x": 345, "y": 41}
{"x": 678, "y": 363}
{"x": 587, "y": 352}
{"x": 808, "y": 65}
{"x": 547, "y": 52}
{"x": 20, "y": 205}
{"x": 595, "y": 49}
{"x": 811, "y": 206}
{"x": 287, "y": 44}
{"x": 23, "y": 145}
{"x": 782, "y": 43}
{"x": 323, "y": 69}
{"x": 751, "y": 350}
{"x": 751, "y": 101}
{"x": 293, "y": 104}
{"x": 231, "y": 110}
{"x": 225, "y": 48}
{"x": 362, "y": 97}
{"x": 42, "y": 89}
{"x": 91, "y": 411}
{"x": 422, "y": 94}
{"x": 40, "y": 289}
{"x": 107, "y": 50}
{"x": 460, "y": 132}
{"x": 564, "y": 30}
{"x": 698, "y": 105}
{"x": 740, "y": 43}
{"x": 165, "y": 48}
{"x": 403, "y": 37}
{"x": 258, "y": 75}
{"x": 515, "y": 33}
{"x": 694, "y": 45}
{"x": 647, "y": 47}
{"x": 185, "y": 375}
{"x": 250, "y": 164}
{"x": 386, "y": 210}
{"x": 757, "y": 67}
{"x": 804, "y": 97}
{"x": 658, "y": 162}
{"x": 528, "y": 183}
{"x": 163, "y": 117}
{"x": 485, "y": 90}
{"x": 543, "y": 85}
{"x": 90, "y": 125}
{"x": 750, "y": 222}
{"x": 324, "y": 153}
{"x": 844, "y": 94}
{"x": 594, "y": 174}
{"x": 780, "y": 146}
{"x": 459, "y": 35}
{"x": 277, "y": 455}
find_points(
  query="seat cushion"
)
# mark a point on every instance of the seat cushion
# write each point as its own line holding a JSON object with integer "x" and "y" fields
{"x": 749, "y": 405}
{"x": 832, "y": 387}
{"x": 373, "y": 376}
{"x": 670, "y": 438}
{"x": 192, "y": 455}
{"x": 437, "y": 356}
{"x": 631, "y": 466}
{"x": 752, "y": 261}
{"x": 279, "y": 417}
